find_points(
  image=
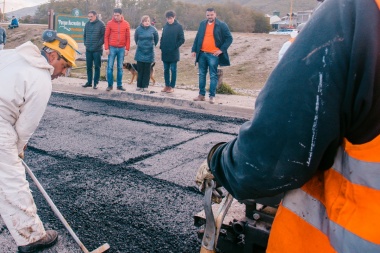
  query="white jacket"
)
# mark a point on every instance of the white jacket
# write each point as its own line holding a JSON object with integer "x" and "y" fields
{"x": 286, "y": 45}
{"x": 25, "y": 89}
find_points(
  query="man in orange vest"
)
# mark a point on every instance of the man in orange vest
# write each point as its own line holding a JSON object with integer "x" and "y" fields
{"x": 210, "y": 49}
{"x": 315, "y": 136}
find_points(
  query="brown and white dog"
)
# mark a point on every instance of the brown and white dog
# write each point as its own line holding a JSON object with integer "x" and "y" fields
{"x": 132, "y": 67}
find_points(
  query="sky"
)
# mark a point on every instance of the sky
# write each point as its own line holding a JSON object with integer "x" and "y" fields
{"x": 12, "y": 5}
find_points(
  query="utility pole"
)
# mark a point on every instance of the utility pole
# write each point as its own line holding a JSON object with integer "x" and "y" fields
{"x": 3, "y": 11}
{"x": 291, "y": 14}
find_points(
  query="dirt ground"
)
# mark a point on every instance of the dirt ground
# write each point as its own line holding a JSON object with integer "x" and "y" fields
{"x": 252, "y": 56}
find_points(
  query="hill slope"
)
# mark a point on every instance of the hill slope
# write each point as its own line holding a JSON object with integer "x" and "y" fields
{"x": 23, "y": 12}
{"x": 266, "y": 6}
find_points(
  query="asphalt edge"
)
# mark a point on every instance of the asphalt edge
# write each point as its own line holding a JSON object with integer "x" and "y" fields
{"x": 151, "y": 99}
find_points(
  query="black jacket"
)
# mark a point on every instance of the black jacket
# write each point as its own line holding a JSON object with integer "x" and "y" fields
{"x": 326, "y": 88}
{"x": 93, "y": 36}
{"x": 223, "y": 40}
{"x": 171, "y": 39}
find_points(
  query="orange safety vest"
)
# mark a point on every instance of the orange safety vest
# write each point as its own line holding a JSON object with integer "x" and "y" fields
{"x": 338, "y": 210}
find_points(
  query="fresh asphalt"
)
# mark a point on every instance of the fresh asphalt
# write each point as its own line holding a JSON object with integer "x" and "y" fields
{"x": 122, "y": 170}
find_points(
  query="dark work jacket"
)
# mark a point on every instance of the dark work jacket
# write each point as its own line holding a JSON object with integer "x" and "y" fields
{"x": 171, "y": 39}
{"x": 325, "y": 89}
{"x": 223, "y": 40}
{"x": 146, "y": 38}
{"x": 93, "y": 36}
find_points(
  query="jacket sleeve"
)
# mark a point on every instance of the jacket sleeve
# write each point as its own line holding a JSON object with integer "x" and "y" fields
{"x": 227, "y": 37}
{"x": 181, "y": 37}
{"x": 195, "y": 43}
{"x": 128, "y": 37}
{"x": 101, "y": 35}
{"x": 84, "y": 34}
{"x": 321, "y": 92}
{"x": 136, "y": 37}
{"x": 155, "y": 36}
{"x": 107, "y": 36}
{"x": 36, "y": 98}
{"x": 162, "y": 35}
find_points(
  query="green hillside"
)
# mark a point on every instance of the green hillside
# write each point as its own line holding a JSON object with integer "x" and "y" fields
{"x": 265, "y": 6}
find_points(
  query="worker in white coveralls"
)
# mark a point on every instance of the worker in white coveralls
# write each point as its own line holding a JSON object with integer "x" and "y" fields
{"x": 25, "y": 88}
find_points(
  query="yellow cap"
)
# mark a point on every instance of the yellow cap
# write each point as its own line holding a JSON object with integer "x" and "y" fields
{"x": 66, "y": 46}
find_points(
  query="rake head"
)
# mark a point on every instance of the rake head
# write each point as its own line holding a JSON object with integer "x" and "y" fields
{"x": 101, "y": 249}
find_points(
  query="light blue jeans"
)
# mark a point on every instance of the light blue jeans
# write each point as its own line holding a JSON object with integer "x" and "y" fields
{"x": 115, "y": 52}
{"x": 210, "y": 62}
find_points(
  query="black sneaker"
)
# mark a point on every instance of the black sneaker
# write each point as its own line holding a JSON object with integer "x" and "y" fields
{"x": 109, "y": 88}
{"x": 87, "y": 85}
{"x": 120, "y": 88}
{"x": 47, "y": 241}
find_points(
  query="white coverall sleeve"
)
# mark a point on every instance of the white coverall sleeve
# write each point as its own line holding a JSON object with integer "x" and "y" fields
{"x": 36, "y": 98}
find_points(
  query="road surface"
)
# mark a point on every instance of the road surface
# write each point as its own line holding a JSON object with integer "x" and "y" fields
{"x": 121, "y": 173}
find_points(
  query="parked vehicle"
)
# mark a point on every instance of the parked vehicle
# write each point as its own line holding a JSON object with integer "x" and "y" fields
{"x": 284, "y": 31}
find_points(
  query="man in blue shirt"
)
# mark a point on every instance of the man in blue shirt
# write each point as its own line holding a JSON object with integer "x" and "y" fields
{"x": 14, "y": 23}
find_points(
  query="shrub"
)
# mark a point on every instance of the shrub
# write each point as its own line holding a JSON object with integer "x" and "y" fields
{"x": 225, "y": 89}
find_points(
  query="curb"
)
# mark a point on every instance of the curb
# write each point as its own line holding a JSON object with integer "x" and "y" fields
{"x": 224, "y": 106}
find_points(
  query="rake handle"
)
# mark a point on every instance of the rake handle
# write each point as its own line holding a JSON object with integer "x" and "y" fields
{"x": 54, "y": 208}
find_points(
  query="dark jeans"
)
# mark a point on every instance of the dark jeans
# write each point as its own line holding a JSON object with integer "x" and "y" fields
{"x": 93, "y": 58}
{"x": 210, "y": 62}
{"x": 170, "y": 67}
{"x": 143, "y": 75}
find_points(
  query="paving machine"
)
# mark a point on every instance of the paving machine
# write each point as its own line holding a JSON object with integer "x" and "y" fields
{"x": 235, "y": 226}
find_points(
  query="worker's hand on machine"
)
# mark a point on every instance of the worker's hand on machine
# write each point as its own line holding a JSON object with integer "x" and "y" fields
{"x": 203, "y": 176}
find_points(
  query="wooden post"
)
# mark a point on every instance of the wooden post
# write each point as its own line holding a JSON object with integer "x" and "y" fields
{"x": 220, "y": 78}
{"x": 51, "y": 19}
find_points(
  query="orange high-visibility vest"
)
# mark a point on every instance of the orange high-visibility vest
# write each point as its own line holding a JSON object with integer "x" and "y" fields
{"x": 338, "y": 210}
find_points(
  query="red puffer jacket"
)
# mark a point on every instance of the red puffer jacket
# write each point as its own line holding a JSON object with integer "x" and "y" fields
{"x": 117, "y": 34}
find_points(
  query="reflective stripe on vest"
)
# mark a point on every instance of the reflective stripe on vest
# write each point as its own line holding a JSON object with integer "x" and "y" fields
{"x": 315, "y": 214}
{"x": 338, "y": 208}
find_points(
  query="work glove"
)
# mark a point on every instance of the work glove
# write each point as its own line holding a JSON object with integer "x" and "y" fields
{"x": 201, "y": 178}
{"x": 204, "y": 174}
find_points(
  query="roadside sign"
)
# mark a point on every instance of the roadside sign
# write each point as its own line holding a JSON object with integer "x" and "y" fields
{"x": 71, "y": 25}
